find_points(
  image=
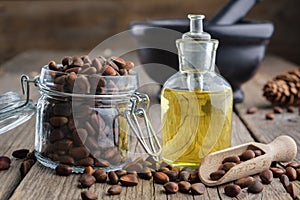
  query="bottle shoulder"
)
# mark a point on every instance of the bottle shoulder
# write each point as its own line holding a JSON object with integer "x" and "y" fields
{"x": 207, "y": 81}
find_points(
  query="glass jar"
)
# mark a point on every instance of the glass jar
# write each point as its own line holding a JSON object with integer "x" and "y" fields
{"x": 82, "y": 122}
{"x": 196, "y": 101}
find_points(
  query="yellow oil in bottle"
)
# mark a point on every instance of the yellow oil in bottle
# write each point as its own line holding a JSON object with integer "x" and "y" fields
{"x": 195, "y": 123}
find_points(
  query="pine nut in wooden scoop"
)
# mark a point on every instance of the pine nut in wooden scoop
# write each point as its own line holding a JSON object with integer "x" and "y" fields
{"x": 282, "y": 149}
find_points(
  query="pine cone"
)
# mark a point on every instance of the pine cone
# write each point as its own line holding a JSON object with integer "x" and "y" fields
{"x": 284, "y": 89}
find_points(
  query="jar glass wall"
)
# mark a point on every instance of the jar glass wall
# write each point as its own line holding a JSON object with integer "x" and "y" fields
{"x": 83, "y": 126}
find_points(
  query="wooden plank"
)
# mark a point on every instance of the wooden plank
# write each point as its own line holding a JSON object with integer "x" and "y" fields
{"x": 42, "y": 183}
{"x": 266, "y": 130}
{"x": 21, "y": 137}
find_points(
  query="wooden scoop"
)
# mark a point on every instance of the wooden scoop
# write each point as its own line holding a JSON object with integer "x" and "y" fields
{"x": 282, "y": 149}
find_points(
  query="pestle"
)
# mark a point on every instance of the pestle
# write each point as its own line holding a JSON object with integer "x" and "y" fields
{"x": 232, "y": 12}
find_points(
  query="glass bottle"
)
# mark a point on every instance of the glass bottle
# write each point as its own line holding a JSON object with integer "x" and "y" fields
{"x": 196, "y": 101}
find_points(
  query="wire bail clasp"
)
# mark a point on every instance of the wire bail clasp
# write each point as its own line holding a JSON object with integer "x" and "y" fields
{"x": 16, "y": 102}
{"x": 139, "y": 107}
{"x": 25, "y": 89}
{"x": 15, "y": 110}
{"x": 25, "y": 85}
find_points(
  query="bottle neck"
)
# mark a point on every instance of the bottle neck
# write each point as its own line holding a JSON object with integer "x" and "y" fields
{"x": 196, "y": 55}
{"x": 196, "y": 28}
{"x": 196, "y": 25}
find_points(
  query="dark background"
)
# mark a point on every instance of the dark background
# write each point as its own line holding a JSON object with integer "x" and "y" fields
{"x": 81, "y": 25}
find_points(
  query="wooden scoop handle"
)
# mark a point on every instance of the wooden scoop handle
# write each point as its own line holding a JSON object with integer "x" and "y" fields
{"x": 284, "y": 148}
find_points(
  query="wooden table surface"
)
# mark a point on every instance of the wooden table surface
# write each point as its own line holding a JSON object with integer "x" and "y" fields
{"x": 43, "y": 183}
